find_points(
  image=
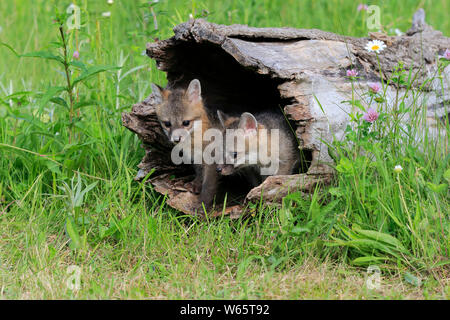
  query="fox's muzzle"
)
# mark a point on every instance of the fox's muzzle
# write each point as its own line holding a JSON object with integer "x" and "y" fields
{"x": 225, "y": 169}
{"x": 178, "y": 135}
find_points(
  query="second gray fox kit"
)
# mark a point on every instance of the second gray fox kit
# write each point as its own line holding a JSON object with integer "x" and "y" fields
{"x": 180, "y": 112}
{"x": 283, "y": 150}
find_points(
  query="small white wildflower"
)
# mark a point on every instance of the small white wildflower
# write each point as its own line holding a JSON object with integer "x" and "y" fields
{"x": 398, "y": 32}
{"x": 191, "y": 16}
{"x": 398, "y": 168}
{"x": 106, "y": 14}
{"x": 110, "y": 1}
{"x": 375, "y": 45}
{"x": 57, "y": 134}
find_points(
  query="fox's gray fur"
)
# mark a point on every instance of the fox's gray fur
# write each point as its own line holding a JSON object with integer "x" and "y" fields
{"x": 288, "y": 155}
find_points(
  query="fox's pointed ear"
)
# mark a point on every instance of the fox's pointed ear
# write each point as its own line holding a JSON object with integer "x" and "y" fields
{"x": 248, "y": 123}
{"x": 222, "y": 118}
{"x": 157, "y": 93}
{"x": 194, "y": 91}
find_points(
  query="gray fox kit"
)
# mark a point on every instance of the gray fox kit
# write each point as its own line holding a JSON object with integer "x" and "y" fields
{"x": 181, "y": 113}
{"x": 259, "y": 143}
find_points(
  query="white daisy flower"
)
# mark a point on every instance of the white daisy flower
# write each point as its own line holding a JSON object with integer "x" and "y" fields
{"x": 375, "y": 45}
{"x": 110, "y": 1}
{"x": 106, "y": 14}
{"x": 398, "y": 168}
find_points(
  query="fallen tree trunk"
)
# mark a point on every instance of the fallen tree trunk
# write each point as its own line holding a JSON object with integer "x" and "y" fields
{"x": 303, "y": 71}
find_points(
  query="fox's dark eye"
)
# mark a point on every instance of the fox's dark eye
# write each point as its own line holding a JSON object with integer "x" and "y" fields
{"x": 234, "y": 155}
{"x": 186, "y": 123}
{"x": 167, "y": 124}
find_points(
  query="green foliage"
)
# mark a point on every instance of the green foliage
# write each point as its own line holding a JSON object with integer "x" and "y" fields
{"x": 393, "y": 215}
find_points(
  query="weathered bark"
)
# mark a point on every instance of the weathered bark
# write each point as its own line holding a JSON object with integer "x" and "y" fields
{"x": 244, "y": 69}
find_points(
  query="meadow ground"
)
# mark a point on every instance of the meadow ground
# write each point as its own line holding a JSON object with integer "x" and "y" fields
{"x": 74, "y": 224}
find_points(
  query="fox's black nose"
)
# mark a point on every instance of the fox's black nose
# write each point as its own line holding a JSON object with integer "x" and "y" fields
{"x": 219, "y": 169}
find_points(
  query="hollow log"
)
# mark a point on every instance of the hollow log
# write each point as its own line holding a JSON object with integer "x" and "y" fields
{"x": 302, "y": 71}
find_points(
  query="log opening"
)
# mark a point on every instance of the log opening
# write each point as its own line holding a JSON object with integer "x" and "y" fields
{"x": 232, "y": 88}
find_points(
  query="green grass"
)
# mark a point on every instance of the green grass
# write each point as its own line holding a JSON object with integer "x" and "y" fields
{"x": 129, "y": 244}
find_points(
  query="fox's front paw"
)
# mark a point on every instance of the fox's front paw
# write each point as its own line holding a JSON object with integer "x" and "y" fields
{"x": 193, "y": 187}
{"x": 200, "y": 207}
{"x": 196, "y": 187}
{"x": 197, "y": 208}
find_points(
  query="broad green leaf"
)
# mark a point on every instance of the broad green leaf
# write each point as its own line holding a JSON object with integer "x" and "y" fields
{"x": 60, "y": 101}
{"x": 367, "y": 260}
{"x": 19, "y": 94}
{"x": 78, "y": 64}
{"x": 50, "y": 94}
{"x": 91, "y": 72}
{"x": 43, "y": 55}
{"x": 368, "y": 245}
{"x": 56, "y": 44}
{"x": 73, "y": 233}
{"x": 379, "y": 236}
{"x": 37, "y": 54}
